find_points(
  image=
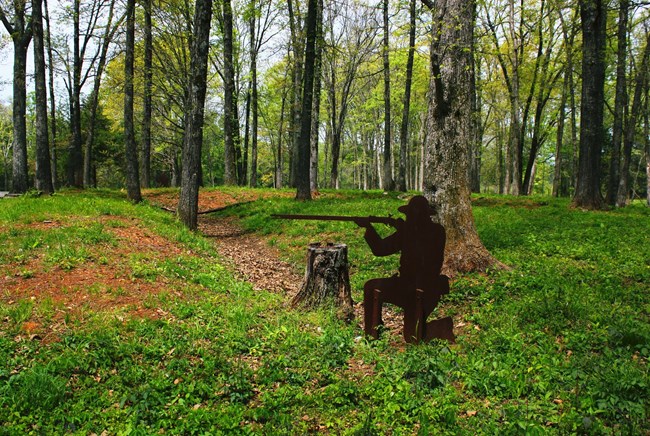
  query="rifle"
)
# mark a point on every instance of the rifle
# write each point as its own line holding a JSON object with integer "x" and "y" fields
{"x": 373, "y": 219}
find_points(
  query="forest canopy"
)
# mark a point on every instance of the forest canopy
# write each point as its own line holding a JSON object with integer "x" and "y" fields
{"x": 527, "y": 112}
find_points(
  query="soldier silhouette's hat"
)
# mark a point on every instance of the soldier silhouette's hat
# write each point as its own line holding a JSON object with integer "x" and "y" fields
{"x": 417, "y": 204}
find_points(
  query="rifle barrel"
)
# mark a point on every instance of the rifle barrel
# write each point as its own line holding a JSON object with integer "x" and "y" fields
{"x": 372, "y": 219}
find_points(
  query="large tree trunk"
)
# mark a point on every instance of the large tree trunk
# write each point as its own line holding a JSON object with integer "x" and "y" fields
{"x": 389, "y": 183}
{"x": 21, "y": 35}
{"x": 446, "y": 183}
{"x": 404, "y": 130}
{"x": 130, "y": 150}
{"x": 620, "y": 102}
{"x": 230, "y": 158}
{"x": 188, "y": 203}
{"x": 592, "y": 132}
{"x": 303, "y": 191}
{"x": 147, "y": 98}
{"x": 43, "y": 169}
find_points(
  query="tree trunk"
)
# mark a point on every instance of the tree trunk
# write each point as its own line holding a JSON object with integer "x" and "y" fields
{"x": 75, "y": 155}
{"x": 188, "y": 203}
{"x": 592, "y": 132}
{"x": 130, "y": 150}
{"x": 404, "y": 130}
{"x": 446, "y": 183}
{"x": 230, "y": 158}
{"x": 315, "y": 118}
{"x": 109, "y": 32}
{"x": 326, "y": 280}
{"x": 147, "y": 97}
{"x": 43, "y": 169}
{"x": 302, "y": 175}
{"x": 620, "y": 102}
{"x": 50, "y": 56}
{"x": 630, "y": 128}
{"x": 389, "y": 183}
{"x": 21, "y": 34}
{"x": 254, "y": 101}
{"x": 646, "y": 134}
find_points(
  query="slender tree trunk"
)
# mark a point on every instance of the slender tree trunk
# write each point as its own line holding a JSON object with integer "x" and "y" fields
{"x": 620, "y": 102}
{"x": 646, "y": 135}
{"x": 278, "y": 167}
{"x": 50, "y": 57}
{"x": 188, "y": 203}
{"x": 630, "y": 128}
{"x": 315, "y": 119}
{"x": 254, "y": 101}
{"x": 449, "y": 118}
{"x": 43, "y": 169}
{"x": 302, "y": 180}
{"x": 130, "y": 150}
{"x": 230, "y": 159}
{"x": 109, "y": 32}
{"x": 389, "y": 184}
{"x": 592, "y": 132}
{"x": 147, "y": 97}
{"x": 559, "y": 139}
{"x": 297, "y": 46}
{"x": 404, "y": 130}
{"x": 75, "y": 155}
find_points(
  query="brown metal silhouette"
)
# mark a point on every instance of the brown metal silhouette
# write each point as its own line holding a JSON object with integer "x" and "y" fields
{"x": 419, "y": 285}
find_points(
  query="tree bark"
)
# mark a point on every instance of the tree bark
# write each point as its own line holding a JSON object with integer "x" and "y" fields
{"x": 50, "y": 56}
{"x": 404, "y": 129}
{"x": 75, "y": 155}
{"x": 188, "y": 203}
{"x": 315, "y": 118}
{"x": 302, "y": 175}
{"x": 326, "y": 280}
{"x": 592, "y": 132}
{"x": 630, "y": 128}
{"x": 147, "y": 97}
{"x": 620, "y": 103}
{"x": 230, "y": 158}
{"x": 446, "y": 183}
{"x": 21, "y": 34}
{"x": 130, "y": 150}
{"x": 389, "y": 183}
{"x": 43, "y": 169}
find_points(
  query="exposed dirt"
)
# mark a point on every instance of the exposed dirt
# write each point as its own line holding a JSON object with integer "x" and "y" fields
{"x": 105, "y": 283}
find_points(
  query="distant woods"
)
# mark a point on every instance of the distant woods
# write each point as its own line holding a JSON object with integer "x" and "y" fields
{"x": 326, "y": 95}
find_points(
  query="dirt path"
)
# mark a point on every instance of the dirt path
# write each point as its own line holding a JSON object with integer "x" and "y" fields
{"x": 250, "y": 256}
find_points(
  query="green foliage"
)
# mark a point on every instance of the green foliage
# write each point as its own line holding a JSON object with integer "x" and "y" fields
{"x": 559, "y": 344}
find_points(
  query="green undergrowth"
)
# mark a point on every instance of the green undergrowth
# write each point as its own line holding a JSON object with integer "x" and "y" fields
{"x": 557, "y": 344}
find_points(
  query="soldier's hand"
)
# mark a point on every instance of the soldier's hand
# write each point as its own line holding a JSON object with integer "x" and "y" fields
{"x": 397, "y": 223}
{"x": 362, "y": 222}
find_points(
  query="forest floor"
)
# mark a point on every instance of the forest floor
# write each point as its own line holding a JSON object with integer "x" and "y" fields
{"x": 100, "y": 282}
{"x": 250, "y": 255}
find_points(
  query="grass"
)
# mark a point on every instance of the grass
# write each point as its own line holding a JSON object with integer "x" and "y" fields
{"x": 558, "y": 344}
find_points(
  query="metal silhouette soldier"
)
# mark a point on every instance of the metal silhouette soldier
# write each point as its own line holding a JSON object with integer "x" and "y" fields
{"x": 419, "y": 285}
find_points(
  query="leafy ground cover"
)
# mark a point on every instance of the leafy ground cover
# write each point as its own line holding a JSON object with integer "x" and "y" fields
{"x": 115, "y": 319}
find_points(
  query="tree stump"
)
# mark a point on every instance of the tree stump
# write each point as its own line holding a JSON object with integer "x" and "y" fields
{"x": 327, "y": 279}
